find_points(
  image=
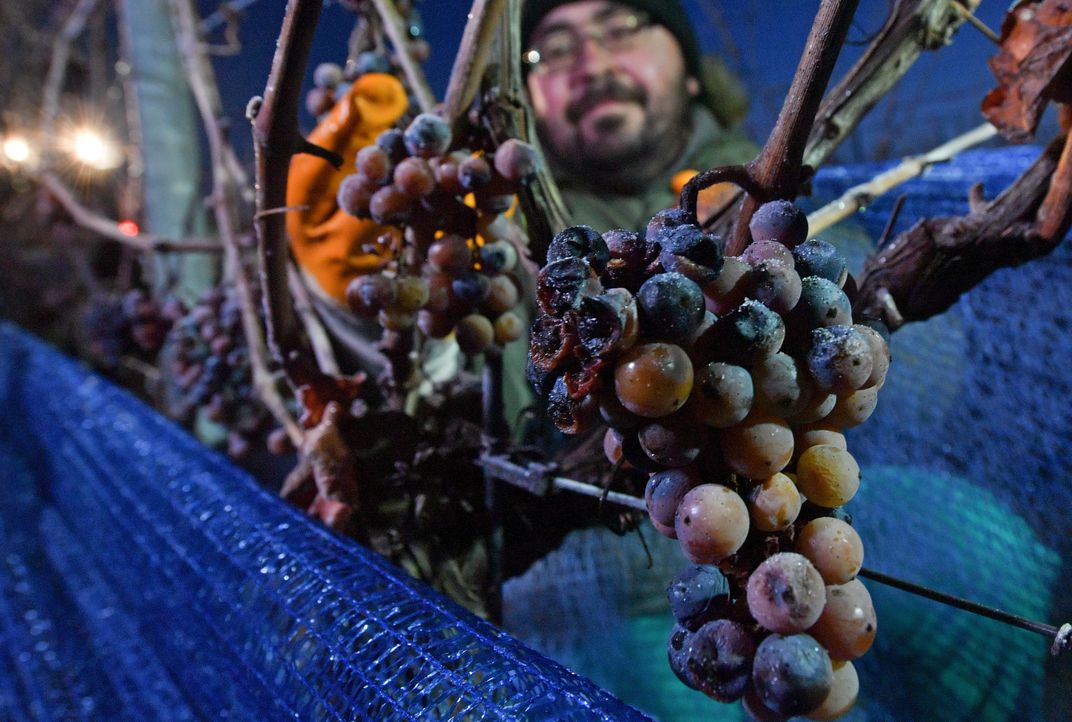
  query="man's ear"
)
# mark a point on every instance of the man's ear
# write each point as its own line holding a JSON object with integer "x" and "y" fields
{"x": 692, "y": 86}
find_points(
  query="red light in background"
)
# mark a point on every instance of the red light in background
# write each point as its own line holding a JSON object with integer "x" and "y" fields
{"x": 128, "y": 228}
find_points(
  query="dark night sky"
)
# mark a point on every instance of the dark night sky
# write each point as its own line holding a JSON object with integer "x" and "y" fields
{"x": 938, "y": 99}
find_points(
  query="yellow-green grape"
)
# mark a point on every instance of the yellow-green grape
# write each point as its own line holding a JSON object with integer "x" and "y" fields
{"x": 833, "y": 547}
{"x": 781, "y": 388}
{"x": 411, "y": 293}
{"x": 806, "y": 437}
{"x": 817, "y": 408}
{"x": 848, "y": 624}
{"x": 722, "y": 395}
{"x": 474, "y": 334}
{"x": 653, "y": 379}
{"x": 828, "y": 476}
{"x": 727, "y": 291}
{"x": 397, "y": 319}
{"x": 711, "y": 523}
{"x": 843, "y": 692}
{"x": 774, "y": 504}
{"x": 502, "y": 294}
{"x": 508, "y": 327}
{"x": 880, "y": 356}
{"x": 758, "y": 447}
{"x": 854, "y": 409}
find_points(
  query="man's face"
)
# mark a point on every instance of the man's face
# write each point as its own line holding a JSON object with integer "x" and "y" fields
{"x": 596, "y": 108}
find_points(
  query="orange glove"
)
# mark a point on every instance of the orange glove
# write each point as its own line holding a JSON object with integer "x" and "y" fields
{"x": 327, "y": 241}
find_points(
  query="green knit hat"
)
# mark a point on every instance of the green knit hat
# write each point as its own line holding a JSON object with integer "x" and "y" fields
{"x": 668, "y": 13}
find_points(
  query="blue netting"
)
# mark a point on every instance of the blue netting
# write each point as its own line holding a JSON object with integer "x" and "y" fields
{"x": 144, "y": 577}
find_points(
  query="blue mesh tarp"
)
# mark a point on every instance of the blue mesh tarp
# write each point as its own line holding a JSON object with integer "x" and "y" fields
{"x": 145, "y": 578}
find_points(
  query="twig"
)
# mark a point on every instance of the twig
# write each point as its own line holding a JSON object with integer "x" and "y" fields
{"x": 202, "y": 80}
{"x": 395, "y": 27}
{"x": 861, "y": 195}
{"x": 57, "y": 68}
{"x": 472, "y": 59}
{"x": 223, "y": 15}
{"x": 509, "y": 115}
{"x": 977, "y": 23}
{"x": 314, "y": 329}
{"x": 109, "y": 228}
{"x": 276, "y": 138}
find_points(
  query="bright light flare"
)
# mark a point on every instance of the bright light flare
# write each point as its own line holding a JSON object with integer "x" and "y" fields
{"x": 16, "y": 149}
{"x": 94, "y": 150}
{"x": 128, "y": 228}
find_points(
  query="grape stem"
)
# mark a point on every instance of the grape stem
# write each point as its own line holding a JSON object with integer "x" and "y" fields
{"x": 276, "y": 138}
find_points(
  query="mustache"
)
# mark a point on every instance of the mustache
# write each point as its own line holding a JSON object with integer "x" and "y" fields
{"x": 605, "y": 88}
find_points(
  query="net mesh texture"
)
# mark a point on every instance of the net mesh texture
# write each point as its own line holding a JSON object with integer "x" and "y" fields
{"x": 144, "y": 577}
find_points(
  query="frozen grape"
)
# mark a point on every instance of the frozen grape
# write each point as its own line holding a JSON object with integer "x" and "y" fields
{"x": 686, "y": 249}
{"x": 608, "y": 322}
{"x": 726, "y": 292}
{"x": 780, "y": 386}
{"x": 502, "y": 294}
{"x": 471, "y": 287}
{"x": 427, "y": 136}
{"x": 744, "y": 336}
{"x": 817, "y": 408}
{"x": 665, "y": 490}
{"x": 757, "y": 710}
{"x": 722, "y": 395}
{"x": 677, "y": 654}
{"x": 433, "y": 324}
{"x": 775, "y": 285}
{"x": 758, "y": 447}
{"x": 474, "y": 334}
{"x": 498, "y": 257}
{"x": 843, "y": 692}
{"x": 515, "y": 160}
{"x": 711, "y": 523}
{"x": 374, "y": 164}
{"x": 563, "y": 283}
{"x": 580, "y": 242}
{"x": 474, "y": 173}
{"x": 848, "y": 624}
{"x": 327, "y": 75}
{"x": 614, "y": 414}
{"x": 569, "y": 415}
{"x": 812, "y": 435}
{"x": 792, "y": 674}
{"x": 414, "y": 178}
{"x": 786, "y": 593}
{"x": 664, "y": 222}
{"x": 550, "y": 342}
{"x": 319, "y": 101}
{"x": 833, "y": 547}
{"x": 839, "y": 359}
{"x": 411, "y": 293}
{"x": 450, "y": 254}
{"x": 508, "y": 327}
{"x": 763, "y": 251}
{"x": 367, "y": 295}
{"x": 671, "y": 306}
{"x": 371, "y": 61}
{"x": 355, "y": 192}
{"x": 819, "y": 258}
{"x": 828, "y": 476}
{"x": 880, "y": 356}
{"x": 393, "y": 143}
{"x": 719, "y": 659}
{"x": 654, "y": 379}
{"x": 673, "y": 441}
{"x": 389, "y": 205}
{"x": 854, "y": 409}
{"x": 630, "y": 255}
{"x": 780, "y": 221}
{"x": 396, "y": 319}
{"x": 699, "y": 594}
{"x": 774, "y": 504}
{"x": 821, "y": 303}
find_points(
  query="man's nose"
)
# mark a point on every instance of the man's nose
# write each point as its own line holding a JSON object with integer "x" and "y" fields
{"x": 593, "y": 58}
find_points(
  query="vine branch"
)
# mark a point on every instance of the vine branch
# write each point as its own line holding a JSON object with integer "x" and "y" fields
{"x": 395, "y": 27}
{"x": 472, "y": 59}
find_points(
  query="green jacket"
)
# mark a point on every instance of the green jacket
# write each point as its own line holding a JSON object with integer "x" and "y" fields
{"x": 709, "y": 146}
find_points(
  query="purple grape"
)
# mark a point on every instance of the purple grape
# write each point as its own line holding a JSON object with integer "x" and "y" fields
{"x": 719, "y": 659}
{"x": 792, "y": 674}
{"x": 672, "y": 441}
{"x": 821, "y": 303}
{"x": 630, "y": 256}
{"x": 699, "y": 594}
{"x": 677, "y": 653}
{"x": 775, "y": 285}
{"x": 471, "y": 287}
{"x": 327, "y": 75}
{"x": 562, "y": 284}
{"x": 746, "y": 335}
{"x": 671, "y": 306}
{"x": 393, "y": 143}
{"x": 580, "y": 242}
{"x": 819, "y": 258}
{"x": 665, "y": 221}
{"x": 686, "y": 249}
{"x": 372, "y": 62}
{"x": 427, "y": 136}
{"x": 663, "y": 494}
{"x": 780, "y": 221}
{"x": 839, "y": 359}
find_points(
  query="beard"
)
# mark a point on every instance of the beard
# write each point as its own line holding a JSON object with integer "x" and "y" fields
{"x": 620, "y": 137}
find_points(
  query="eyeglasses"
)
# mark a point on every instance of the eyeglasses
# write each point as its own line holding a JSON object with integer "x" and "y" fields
{"x": 559, "y": 49}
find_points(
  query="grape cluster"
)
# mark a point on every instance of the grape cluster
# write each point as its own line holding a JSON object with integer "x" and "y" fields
{"x": 211, "y": 377}
{"x": 729, "y": 380}
{"x": 456, "y": 271}
{"x": 134, "y": 324}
